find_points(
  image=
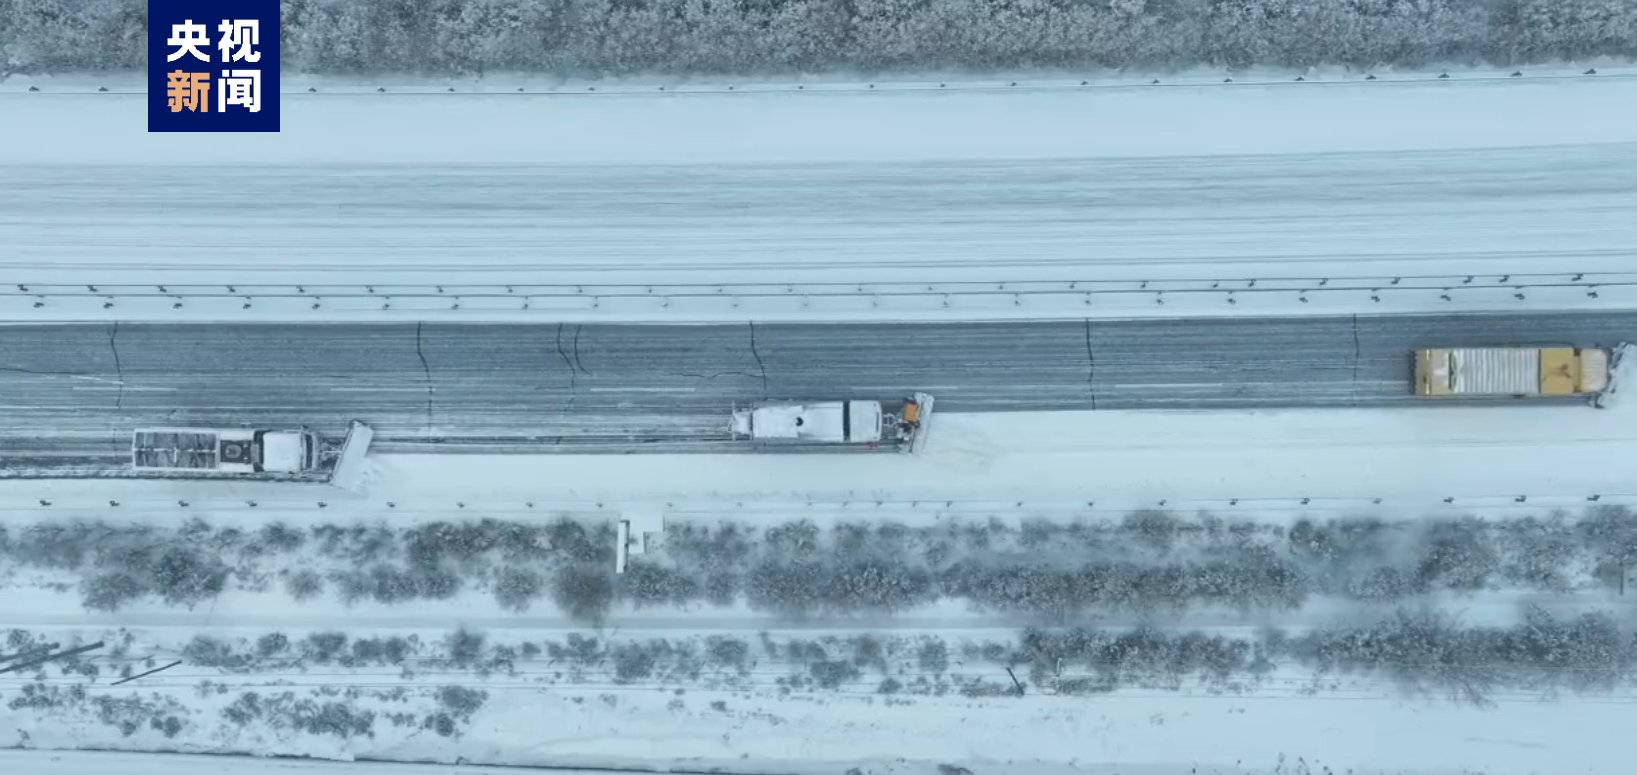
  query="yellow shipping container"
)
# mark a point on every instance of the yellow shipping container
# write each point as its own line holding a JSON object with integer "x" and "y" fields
{"x": 1511, "y": 371}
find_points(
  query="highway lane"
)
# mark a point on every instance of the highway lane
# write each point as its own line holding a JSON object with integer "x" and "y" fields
{"x": 73, "y": 392}
{"x": 1561, "y": 208}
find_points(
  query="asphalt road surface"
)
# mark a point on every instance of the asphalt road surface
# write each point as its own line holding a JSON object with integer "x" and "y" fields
{"x": 71, "y": 394}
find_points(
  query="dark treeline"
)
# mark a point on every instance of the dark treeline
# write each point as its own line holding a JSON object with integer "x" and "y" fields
{"x": 613, "y": 37}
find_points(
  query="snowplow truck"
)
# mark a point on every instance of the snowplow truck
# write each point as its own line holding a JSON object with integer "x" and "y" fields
{"x": 1511, "y": 372}
{"x": 835, "y": 422}
{"x": 239, "y": 451}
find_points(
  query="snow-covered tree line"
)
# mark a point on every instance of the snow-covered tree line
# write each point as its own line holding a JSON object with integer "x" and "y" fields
{"x": 1149, "y": 561}
{"x": 613, "y": 37}
{"x": 1420, "y": 652}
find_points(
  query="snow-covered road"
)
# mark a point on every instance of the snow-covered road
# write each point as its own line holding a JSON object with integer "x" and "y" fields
{"x": 76, "y": 391}
{"x": 1378, "y": 213}
{"x": 1377, "y": 179}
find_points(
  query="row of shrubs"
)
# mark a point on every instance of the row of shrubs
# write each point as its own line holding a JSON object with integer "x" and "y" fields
{"x": 1421, "y": 652}
{"x": 1149, "y": 561}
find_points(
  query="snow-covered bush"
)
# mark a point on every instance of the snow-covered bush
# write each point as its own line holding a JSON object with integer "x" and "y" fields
{"x": 516, "y": 588}
{"x": 181, "y": 575}
{"x": 304, "y": 584}
{"x": 932, "y": 656}
{"x": 461, "y": 702}
{"x": 465, "y": 647}
{"x": 584, "y": 592}
{"x": 204, "y": 651}
{"x": 324, "y": 647}
{"x": 651, "y": 584}
{"x": 111, "y": 591}
{"x": 728, "y": 652}
{"x": 272, "y": 643}
{"x": 635, "y": 661}
{"x": 1428, "y": 652}
{"x": 1056, "y": 573}
{"x": 832, "y": 673}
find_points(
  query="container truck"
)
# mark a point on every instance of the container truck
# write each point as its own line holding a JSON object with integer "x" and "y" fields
{"x": 1511, "y": 372}
{"x": 226, "y": 450}
{"x": 864, "y": 423}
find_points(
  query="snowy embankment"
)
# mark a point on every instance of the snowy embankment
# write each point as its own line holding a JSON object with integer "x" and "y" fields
{"x": 1017, "y": 201}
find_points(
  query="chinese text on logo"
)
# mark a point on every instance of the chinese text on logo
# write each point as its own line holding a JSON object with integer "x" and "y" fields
{"x": 213, "y": 66}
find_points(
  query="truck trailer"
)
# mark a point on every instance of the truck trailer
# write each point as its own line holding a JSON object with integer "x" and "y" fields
{"x": 225, "y": 450}
{"x": 1511, "y": 372}
{"x": 863, "y": 423}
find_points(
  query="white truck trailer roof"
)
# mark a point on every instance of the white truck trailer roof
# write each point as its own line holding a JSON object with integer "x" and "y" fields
{"x": 1492, "y": 371}
{"x": 838, "y": 422}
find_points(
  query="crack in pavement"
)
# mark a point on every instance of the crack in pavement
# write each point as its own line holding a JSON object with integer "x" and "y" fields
{"x": 119, "y": 369}
{"x": 119, "y": 376}
{"x": 1091, "y": 368}
{"x": 426, "y": 371}
{"x": 577, "y": 363}
{"x": 572, "y": 380}
{"x": 760, "y": 366}
{"x": 1356, "y": 351}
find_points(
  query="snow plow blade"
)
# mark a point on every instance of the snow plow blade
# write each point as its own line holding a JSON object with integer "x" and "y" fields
{"x": 1622, "y": 357}
{"x": 349, "y": 468}
{"x": 918, "y": 418}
